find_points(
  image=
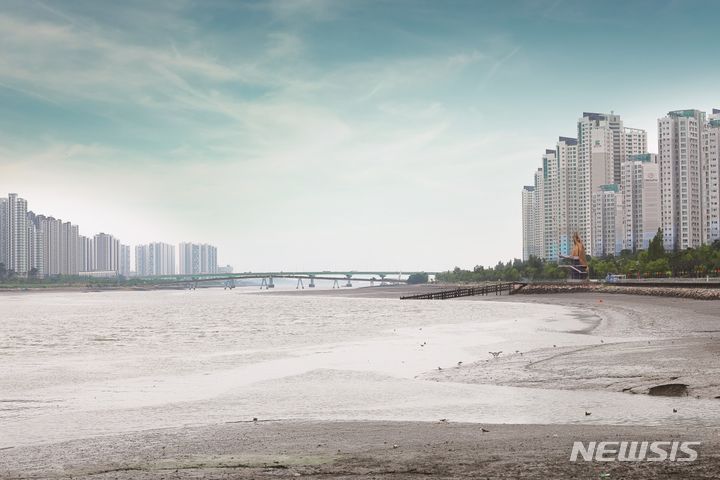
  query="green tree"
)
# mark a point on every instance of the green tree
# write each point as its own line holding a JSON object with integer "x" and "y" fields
{"x": 656, "y": 249}
{"x": 417, "y": 278}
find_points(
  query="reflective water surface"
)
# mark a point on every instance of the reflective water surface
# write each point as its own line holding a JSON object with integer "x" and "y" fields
{"x": 82, "y": 364}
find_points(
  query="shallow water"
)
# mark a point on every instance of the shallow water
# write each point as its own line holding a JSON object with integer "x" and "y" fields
{"x": 83, "y": 364}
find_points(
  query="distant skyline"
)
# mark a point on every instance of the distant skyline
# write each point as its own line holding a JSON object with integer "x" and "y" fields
{"x": 326, "y": 134}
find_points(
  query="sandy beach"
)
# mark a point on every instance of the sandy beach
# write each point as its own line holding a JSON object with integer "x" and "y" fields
{"x": 670, "y": 342}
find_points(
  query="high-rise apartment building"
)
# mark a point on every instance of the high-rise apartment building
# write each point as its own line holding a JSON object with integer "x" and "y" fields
{"x": 124, "y": 265}
{"x": 711, "y": 177}
{"x": 197, "y": 258}
{"x": 4, "y": 232}
{"x": 680, "y": 135}
{"x": 155, "y": 259}
{"x": 581, "y": 174}
{"x": 551, "y": 193}
{"x": 106, "y": 253}
{"x": 69, "y": 237}
{"x": 87, "y": 254}
{"x": 17, "y": 235}
{"x": 533, "y": 200}
{"x": 567, "y": 207}
{"x": 607, "y": 224}
{"x": 641, "y": 196}
{"x": 635, "y": 141}
{"x": 600, "y": 152}
{"x": 538, "y": 249}
{"x": 528, "y": 221}
{"x": 39, "y": 245}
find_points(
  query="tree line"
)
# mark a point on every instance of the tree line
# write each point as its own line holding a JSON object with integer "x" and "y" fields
{"x": 654, "y": 262}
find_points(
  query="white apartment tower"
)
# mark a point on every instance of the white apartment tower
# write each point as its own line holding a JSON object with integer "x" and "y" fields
{"x": 641, "y": 196}
{"x": 567, "y": 207}
{"x": 603, "y": 145}
{"x": 600, "y": 151}
{"x": 197, "y": 258}
{"x": 124, "y": 265}
{"x": 607, "y": 224}
{"x": 680, "y": 134}
{"x": 87, "y": 254}
{"x": 635, "y": 141}
{"x": 711, "y": 177}
{"x": 551, "y": 202}
{"x": 4, "y": 231}
{"x": 16, "y": 234}
{"x": 155, "y": 259}
{"x": 106, "y": 253}
{"x": 560, "y": 207}
{"x": 538, "y": 249}
{"x": 528, "y": 221}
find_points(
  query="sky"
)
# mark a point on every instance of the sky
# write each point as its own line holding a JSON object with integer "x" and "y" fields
{"x": 319, "y": 134}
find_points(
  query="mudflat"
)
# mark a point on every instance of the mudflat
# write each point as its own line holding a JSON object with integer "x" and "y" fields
{"x": 345, "y": 450}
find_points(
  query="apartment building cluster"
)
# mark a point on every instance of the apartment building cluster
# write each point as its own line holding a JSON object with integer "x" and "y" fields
{"x": 43, "y": 246}
{"x": 605, "y": 185}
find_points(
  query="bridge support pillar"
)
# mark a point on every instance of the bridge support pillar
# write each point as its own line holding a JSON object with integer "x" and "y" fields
{"x": 336, "y": 284}
{"x": 382, "y": 279}
{"x": 349, "y": 283}
{"x": 312, "y": 281}
{"x": 270, "y": 283}
{"x": 299, "y": 284}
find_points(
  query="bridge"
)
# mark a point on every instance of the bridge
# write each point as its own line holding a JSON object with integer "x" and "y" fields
{"x": 228, "y": 280}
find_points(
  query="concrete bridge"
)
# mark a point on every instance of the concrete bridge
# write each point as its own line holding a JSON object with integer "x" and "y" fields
{"x": 228, "y": 280}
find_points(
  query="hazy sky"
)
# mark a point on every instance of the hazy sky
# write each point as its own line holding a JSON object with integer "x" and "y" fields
{"x": 326, "y": 134}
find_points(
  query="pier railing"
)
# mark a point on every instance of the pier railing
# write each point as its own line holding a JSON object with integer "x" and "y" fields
{"x": 492, "y": 289}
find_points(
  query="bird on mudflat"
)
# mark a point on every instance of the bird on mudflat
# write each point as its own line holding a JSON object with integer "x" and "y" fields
{"x": 587, "y": 414}
{"x": 459, "y": 363}
{"x": 495, "y": 354}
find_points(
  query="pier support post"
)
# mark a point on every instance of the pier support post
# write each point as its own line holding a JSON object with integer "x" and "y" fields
{"x": 336, "y": 284}
{"x": 349, "y": 283}
{"x": 299, "y": 284}
{"x": 312, "y": 281}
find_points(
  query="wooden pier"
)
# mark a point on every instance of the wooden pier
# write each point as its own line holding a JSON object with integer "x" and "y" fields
{"x": 495, "y": 288}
